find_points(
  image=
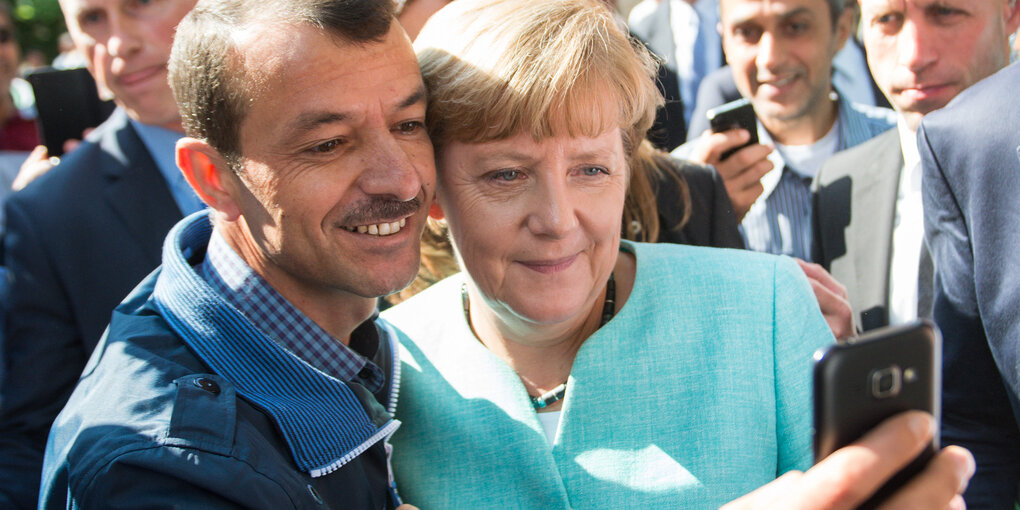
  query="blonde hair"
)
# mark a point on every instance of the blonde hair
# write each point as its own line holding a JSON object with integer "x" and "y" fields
{"x": 498, "y": 68}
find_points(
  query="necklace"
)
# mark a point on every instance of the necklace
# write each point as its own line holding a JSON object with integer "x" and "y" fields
{"x": 556, "y": 394}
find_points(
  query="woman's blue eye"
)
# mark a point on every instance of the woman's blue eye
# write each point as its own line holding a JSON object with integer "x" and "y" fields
{"x": 507, "y": 175}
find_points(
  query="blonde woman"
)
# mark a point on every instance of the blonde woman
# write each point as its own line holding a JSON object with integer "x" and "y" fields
{"x": 565, "y": 367}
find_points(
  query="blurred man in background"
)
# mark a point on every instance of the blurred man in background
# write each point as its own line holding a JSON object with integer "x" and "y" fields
{"x": 82, "y": 235}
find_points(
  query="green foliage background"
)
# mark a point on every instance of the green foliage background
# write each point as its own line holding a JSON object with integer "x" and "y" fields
{"x": 39, "y": 23}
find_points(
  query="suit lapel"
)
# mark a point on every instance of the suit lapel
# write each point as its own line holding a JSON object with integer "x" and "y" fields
{"x": 872, "y": 221}
{"x": 137, "y": 192}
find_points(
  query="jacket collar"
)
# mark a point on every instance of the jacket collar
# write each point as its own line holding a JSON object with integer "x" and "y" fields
{"x": 322, "y": 420}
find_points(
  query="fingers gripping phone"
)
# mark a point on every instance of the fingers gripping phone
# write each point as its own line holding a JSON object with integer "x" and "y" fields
{"x": 859, "y": 384}
{"x": 735, "y": 114}
{"x": 68, "y": 103}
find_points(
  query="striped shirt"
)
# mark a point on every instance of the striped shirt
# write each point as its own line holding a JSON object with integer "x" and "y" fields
{"x": 282, "y": 322}
{"x": 779, "y": 221}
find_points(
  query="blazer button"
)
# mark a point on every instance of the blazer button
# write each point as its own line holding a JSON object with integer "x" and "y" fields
{"x": 208, "y": 385}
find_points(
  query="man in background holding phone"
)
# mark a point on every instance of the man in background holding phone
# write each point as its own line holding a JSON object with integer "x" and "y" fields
{"x": 81, "y": 236}
{"x": 869, "y": 218}
{"x": 781, "y": 56}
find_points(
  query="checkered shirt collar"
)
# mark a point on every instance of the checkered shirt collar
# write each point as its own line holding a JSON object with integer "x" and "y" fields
{"x": 281, "y": 321}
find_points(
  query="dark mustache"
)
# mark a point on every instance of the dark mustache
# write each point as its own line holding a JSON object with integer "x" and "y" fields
{"x": 381, "y": 210}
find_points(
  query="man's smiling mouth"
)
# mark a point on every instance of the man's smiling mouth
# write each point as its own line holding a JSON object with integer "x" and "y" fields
{"x": 379, "y": 229}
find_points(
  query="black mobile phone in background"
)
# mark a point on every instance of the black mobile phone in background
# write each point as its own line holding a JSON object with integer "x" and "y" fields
{"x": 67, "y": 103}
{"x": 735, "y": 114}
{"x": 860, "y": 383}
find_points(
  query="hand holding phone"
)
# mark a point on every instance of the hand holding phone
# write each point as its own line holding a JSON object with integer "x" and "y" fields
{"x": 847, "y": 478}
{"x": 734, "y": 115}
{"x": 860, "y": 383}
{"x": 740, "y": 161}
{"x": 68, "y": 104}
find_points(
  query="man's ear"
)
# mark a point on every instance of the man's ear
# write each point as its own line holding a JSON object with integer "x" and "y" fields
{"x": 207, "y": 172}
{"x": 844, "y": 28}
{"x": 1012, "y": 16}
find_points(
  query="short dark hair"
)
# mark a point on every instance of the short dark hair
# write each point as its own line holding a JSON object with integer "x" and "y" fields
{"x": 836, "y": 8}
{"x": 211, "y": 86}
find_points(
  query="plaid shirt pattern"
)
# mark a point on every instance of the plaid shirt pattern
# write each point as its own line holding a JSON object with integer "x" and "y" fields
{"x": 280, "y": 321}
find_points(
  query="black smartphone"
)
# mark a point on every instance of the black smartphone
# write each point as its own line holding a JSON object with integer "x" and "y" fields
{"x": 860, "y": 383}
{"x": 735, "y": 114}
{"x": 68, "y": 103}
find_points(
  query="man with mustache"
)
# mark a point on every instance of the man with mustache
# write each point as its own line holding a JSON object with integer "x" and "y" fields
{"x": 249, "y": 370}
{"x": 81, "y": 236}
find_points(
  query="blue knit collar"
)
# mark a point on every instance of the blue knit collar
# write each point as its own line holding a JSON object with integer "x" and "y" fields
{"x": 323, "y": 422}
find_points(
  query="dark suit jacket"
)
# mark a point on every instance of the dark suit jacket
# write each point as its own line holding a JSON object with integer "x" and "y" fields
{"x": 970, "y": 151}
{"x": 854, "y": 210}
{"x": 78, "y": 240}
{"x": 711, "y": 221}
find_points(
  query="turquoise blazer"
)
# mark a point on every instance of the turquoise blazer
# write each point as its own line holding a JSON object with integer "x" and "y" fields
{"x": 697, "y": 392}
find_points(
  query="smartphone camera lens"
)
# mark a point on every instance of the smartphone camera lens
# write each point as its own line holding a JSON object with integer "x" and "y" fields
{"x": 886, "y": 382}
